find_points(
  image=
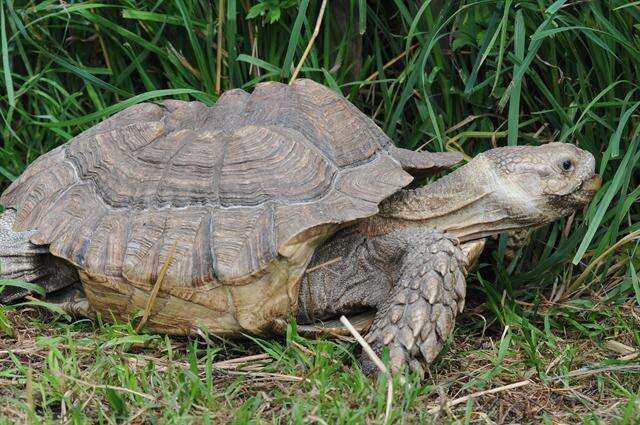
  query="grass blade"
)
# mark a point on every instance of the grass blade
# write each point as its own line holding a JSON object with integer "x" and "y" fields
{"x": 294, "y": 39}
{"x": 514, "y": 99}
{"x": 120, "y": 106}
{"x": 6, "y": 66}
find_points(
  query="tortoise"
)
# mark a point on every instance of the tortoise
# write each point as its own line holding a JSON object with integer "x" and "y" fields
{"x": 287, "y": 202}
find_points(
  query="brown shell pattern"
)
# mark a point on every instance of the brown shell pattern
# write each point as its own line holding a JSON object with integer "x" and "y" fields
{"x": 228, "y": 185}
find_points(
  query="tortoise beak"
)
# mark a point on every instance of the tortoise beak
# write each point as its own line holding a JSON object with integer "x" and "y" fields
{"x": 587, "y": 190}
{"x": 592, "y": 185}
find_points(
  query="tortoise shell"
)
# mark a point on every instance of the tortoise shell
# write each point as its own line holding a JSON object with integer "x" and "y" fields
{"x": 222, "y": 190}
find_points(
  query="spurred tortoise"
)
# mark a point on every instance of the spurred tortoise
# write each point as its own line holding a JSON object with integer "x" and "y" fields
{"x": 285, "y": 202}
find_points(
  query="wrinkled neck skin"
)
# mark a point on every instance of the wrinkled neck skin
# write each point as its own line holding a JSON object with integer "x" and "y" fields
{"x": 469, "y": 203}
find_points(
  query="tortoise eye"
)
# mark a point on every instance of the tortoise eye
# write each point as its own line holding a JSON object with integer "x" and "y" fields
{"x": 567, "y": 165}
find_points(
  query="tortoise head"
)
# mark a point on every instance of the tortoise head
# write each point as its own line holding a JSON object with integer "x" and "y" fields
{"x": 544, "y": 183}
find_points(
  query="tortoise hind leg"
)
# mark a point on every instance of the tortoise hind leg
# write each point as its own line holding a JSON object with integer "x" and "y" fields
{"x": 24, "y": 261}
{"x": 73, "y": 300}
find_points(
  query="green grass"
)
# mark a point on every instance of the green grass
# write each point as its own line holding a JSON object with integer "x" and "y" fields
{"x": 464, "y": 77}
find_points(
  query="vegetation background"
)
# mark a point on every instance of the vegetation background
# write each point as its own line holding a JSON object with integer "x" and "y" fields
{"x": 561, "y": 321}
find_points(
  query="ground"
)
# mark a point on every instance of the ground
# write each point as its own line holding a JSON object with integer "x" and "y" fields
{"x": 543, "y": 362}
{"x": 553, "y": 334}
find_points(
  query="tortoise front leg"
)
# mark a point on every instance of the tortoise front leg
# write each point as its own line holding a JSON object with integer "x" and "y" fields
{"x": 413, "y": 279}
{"x": 428, "y": 293}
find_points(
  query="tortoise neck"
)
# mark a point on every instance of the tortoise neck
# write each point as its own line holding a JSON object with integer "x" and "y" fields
{"x": 465, "y": 203}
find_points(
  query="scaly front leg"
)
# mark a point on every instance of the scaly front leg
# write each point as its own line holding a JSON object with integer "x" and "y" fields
{"x": 428, "y": 293}
{"x": 413, "y": 279}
